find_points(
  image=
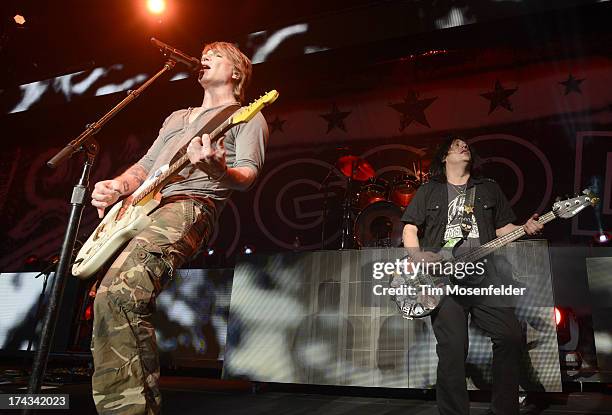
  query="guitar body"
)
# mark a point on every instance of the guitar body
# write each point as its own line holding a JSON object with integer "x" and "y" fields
{"x": 423, "y": 303}
{"x": 111, "y": 234}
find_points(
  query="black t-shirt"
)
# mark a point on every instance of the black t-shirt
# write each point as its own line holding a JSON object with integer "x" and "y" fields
{"x": 428, "y": 210}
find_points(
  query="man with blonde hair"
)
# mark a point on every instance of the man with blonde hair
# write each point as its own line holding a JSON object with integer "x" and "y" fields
{"x": 126, "y": 361}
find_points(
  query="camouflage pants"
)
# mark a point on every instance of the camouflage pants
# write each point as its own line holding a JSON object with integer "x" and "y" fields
{"x": 124, "y": 349}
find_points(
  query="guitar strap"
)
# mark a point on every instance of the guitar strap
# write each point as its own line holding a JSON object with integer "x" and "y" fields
{"x": 468, "y": 210}
{"x": 208, "y": 128}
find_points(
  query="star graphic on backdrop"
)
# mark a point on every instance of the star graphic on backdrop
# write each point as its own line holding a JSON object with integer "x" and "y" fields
{"x": 276, "y": 125}
{"x": 335, "y": 118}
{"x": 499, "y": 97}
{"x": 572, "y": 84}
{"x": 413, "y": 109}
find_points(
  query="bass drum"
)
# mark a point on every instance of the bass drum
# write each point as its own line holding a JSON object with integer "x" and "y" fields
{"x": 379, "y": 224}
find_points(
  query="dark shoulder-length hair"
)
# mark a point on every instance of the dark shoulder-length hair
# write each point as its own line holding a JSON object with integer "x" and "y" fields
{"x": 437, "y": 169}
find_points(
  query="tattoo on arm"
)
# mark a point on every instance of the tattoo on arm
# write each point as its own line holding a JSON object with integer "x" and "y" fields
{"x": 137, "y": 172}
{"x": 132, "y": 178}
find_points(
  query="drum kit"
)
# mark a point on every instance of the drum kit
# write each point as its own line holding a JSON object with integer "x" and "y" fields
{"x": 377, "y": 204}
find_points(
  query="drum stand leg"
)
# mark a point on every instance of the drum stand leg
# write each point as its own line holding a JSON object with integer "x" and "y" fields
{"x": 346, "y": 228}
{"x": 346, "y": 215}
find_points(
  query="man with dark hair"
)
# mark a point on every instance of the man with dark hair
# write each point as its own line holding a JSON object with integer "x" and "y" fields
{"x": 438, "y": 211}
{"x": 126, "y": 378}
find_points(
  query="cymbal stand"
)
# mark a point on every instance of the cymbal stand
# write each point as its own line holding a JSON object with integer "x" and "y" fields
{"x": 346, "y": 210}
{"x": 324, "y": 185}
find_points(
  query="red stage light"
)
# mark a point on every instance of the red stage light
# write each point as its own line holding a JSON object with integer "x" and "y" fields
{"x": 156, "y": 6}
{"x": 32, "y": 260}
{"x": 19, "y": 19}
{"x": 88, "y": 312}
{"x": 558, "y": 316}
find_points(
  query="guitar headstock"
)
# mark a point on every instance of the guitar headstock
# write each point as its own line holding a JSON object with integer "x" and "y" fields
{"x": 570, "y": 207}
{"x": 247, "y": 113}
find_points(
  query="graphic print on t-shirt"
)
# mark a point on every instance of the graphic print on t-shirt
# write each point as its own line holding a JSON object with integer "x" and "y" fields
{"x": 453, "y": 224}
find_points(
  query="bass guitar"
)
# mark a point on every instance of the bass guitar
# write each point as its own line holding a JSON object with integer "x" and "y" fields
{"x": 419, "y": 303}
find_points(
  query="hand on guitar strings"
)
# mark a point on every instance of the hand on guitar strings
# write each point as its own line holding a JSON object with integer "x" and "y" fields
{"x": 208, "y": 157}
{"x": 105, "y": 193}
{"x": 532, "y": 226}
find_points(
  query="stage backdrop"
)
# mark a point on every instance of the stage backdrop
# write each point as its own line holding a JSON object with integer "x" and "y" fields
{"x": 543, "y": 127}
{"x": 312, "y": 318}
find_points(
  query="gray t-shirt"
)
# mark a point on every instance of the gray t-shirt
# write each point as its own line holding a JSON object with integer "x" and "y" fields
{"x": 245, "y": 145}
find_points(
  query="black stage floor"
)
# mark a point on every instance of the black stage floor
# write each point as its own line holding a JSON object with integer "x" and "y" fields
{"x": 186, "y": 396}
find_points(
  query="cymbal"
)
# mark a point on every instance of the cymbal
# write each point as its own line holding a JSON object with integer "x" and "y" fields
{"x": 355, "y": 167}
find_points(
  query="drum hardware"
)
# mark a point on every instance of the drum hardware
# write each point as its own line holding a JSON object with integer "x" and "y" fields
{"x": 354, "y": 169}
{"x": 377, "y": 203}
{"x": 325, "y": 196}
{"x": 375, "y": 190}
{"x": 380, "y": 205}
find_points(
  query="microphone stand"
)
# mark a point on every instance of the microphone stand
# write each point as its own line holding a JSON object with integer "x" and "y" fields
{"x": 84, "y": 142}
{"x": 45, "y": 274}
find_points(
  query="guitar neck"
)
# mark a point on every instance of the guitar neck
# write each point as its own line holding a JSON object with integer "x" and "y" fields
{"x": 497, "y": 243}
{"x": 179, "y": 165}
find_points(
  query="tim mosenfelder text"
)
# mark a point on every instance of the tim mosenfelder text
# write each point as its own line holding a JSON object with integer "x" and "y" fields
{"x": 412, "y": 291}
{"x": 459, "y": 270}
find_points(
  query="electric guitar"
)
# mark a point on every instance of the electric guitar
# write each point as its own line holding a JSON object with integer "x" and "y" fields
{"x": 129, "y": 217}
{"x": 417, "y": 303}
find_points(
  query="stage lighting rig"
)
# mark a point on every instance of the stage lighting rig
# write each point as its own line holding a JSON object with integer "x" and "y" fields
{"x": 602, "y": 238}
{"x": 156, "y": 6}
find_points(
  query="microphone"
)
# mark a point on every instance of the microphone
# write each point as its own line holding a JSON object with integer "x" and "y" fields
{"x": 176, "y": 55}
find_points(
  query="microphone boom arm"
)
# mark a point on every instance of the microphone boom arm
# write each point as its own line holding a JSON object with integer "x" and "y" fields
{"x": 176, "y": 55}
{"x": 76, "y": 145}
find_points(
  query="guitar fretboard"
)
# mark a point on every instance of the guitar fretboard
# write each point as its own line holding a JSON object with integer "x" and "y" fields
{"x": 497, "y": 243}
